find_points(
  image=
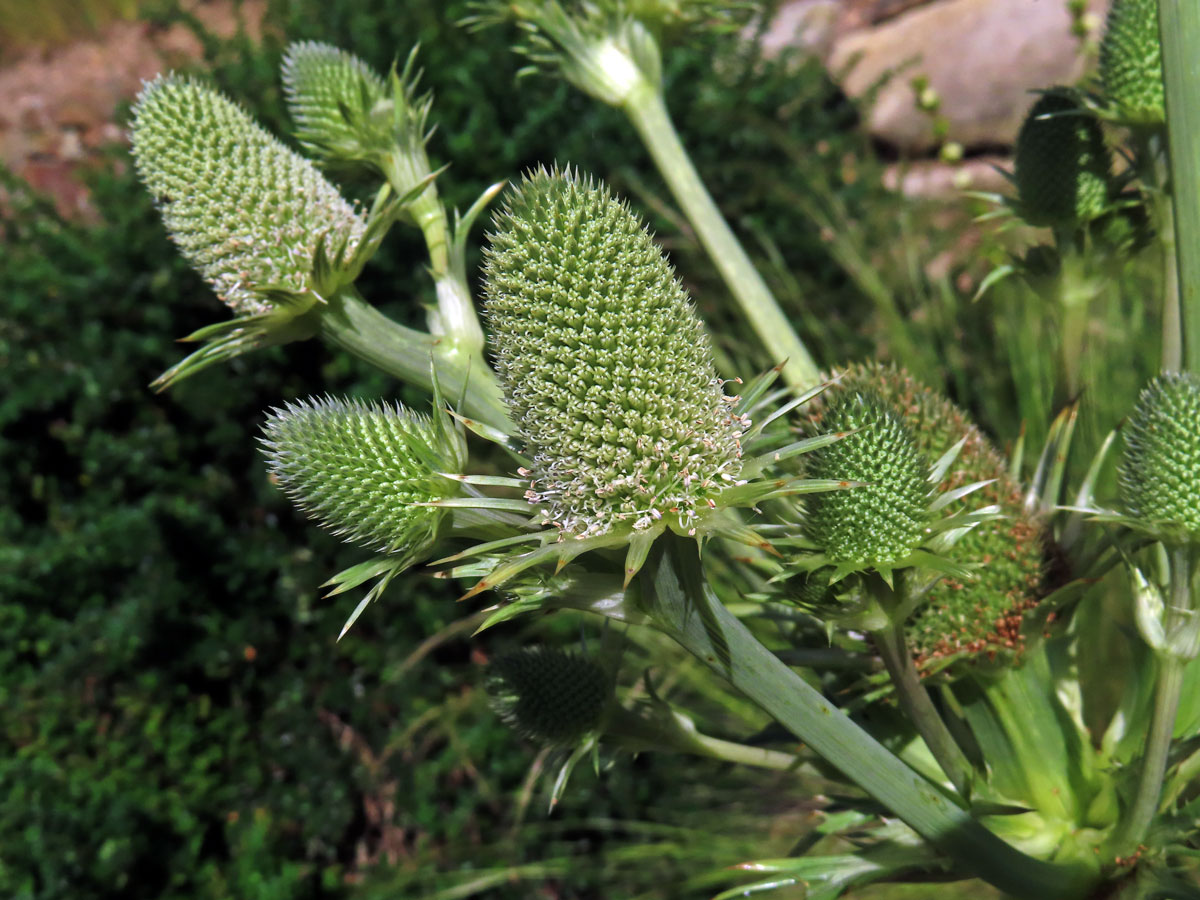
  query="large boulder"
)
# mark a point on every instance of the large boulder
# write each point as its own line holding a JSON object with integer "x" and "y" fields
{"x": 983, "y": 57}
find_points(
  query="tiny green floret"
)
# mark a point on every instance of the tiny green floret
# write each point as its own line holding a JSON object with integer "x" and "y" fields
{"x": 1062, "y": 166}
{"x": 606, "y": 367}
{"x": 881, "y": 522}
{"x": 359, "y": 469}
{"x": 550, "y": 696}
{"x": 1131, "y": 62}
{"x": 1160, "y": 469}
{"x": 246, "y": 211}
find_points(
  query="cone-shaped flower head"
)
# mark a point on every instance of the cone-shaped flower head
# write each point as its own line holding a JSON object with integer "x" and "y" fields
{"x": 245, "y": 210}
{"x": 981, "y": 614}
{"x": 549, "y": 695}
{"x": 1160, "y": 469}
{"x": 359, "y": 469}
{"x": 606, "y": 367}
{"x": 331, "y": 95}
{"x": 1062, "y": 164}
{"x": 1131, "y": 61}
{"x": 881, "y": 522}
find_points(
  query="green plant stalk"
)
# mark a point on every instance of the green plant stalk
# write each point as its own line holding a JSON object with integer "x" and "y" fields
{"x": 1167, "y": 690}
{"x": 1151, "y": 170}
{"x": 456, "y": 318}
{"x": 919, "y": 708}
{"x": 352, "y": 324}
{"x": 680, "y": 601}
{"x": 636, "y": 732}
{"x": 1179, "y": 29}
{"x": 648, "y": 113}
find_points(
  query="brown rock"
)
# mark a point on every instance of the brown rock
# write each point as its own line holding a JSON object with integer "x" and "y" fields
{"x": 983, "y": 57}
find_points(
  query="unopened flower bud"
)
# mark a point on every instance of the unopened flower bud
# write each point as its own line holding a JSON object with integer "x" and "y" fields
{"x": 359, "y": 469}
{"x": 548, "y": 695}
{"x": 1062, "y": 164}
{"x": 1160, "y": 469}
{"x": 1131, "y": 61}
{"x": 880, "y": 522}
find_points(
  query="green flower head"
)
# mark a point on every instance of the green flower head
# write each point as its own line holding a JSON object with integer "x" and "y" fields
{"x": 246, "y": 211}
{"x": 881, "y": 522}
{"x": 1160, "y": 469}
{"x": 1062, "y": 164}
{"x": 332, "y": 96}
{"x": 605, "y": 365}
{"x": 1131, "y": 62}
{"x": 361, "y": 469}
{"x": 981, "y": 614}
{"x": 548, "y": 695}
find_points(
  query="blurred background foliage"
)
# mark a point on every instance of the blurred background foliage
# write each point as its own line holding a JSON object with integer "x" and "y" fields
{"x": 175, "y": 718}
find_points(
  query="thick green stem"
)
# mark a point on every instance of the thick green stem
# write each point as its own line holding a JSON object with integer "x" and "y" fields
{"x": 919, "y": 708}
{"x": 1179, "y": 25}
{"x": 649, "y": 116}
{"x": 455, "y": 317}
{"x": 1167, "y": 691}
{"x": 678, "y": 598}
{"x": 353, "y": 325}
{"x": 640, "y": 733}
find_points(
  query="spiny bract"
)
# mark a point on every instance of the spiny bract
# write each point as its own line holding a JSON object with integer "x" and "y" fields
{"x": 606, "y": 367}
{"x": 1160, "y": 470}
{"x": 981, "y": 614}
{"x": 357, "y": 468}
{"x": 1062, "y": 166}
{"x": 549, "y": 695}
{"x": 1131, "y": 61}
{"x": 882, "y": 521}
{"x": 330, "y": 94}
{"x": 245, "y": 210}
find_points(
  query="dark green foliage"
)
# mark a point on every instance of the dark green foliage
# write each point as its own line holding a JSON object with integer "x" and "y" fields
{"x": 1160, "y": 470}
{"x": 881, "y": 521}
{"x": 1062, "y": 164}
{"x": 548, "y": 695}
{"x": 1131, "y": 61}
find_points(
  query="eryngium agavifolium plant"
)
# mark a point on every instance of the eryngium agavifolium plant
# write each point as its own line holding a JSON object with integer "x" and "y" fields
{"x": 360, "y": 470}
{"x": 882, "y": 522}
{"x": 243, "y": 209}
{"x": 604, "y": 363}
{"x": 548, "y": 695}
{"x": 1131, "y": 62}
{"x": 1063, "y": 166}
{"x": 1160, "y": 468}
{"x": 611, "y": 430}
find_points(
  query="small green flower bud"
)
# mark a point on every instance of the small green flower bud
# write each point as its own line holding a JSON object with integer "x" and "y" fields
{"x": 1160, "y": 470}
{"x": 358, "y": 469}
{"x": 882, "y": 521}
{"x": 245, "y": 210}
{"x": 1131, "y": 61}
{"x": 331, "y": 95}
{"x": 548, "y": 695}
{"x": 1062, "y": 164}
{"x": 606, "y": 367}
